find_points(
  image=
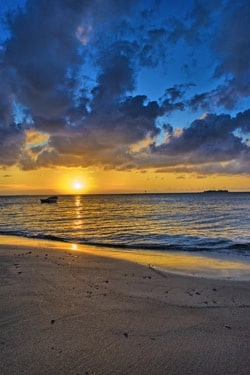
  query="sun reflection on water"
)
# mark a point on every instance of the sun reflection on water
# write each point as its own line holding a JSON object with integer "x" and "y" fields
{"x": 78, "y": 211}
{"x": 74, "y": 247}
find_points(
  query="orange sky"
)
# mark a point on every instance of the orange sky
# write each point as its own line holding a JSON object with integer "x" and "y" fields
{"x": 91, "y": 181}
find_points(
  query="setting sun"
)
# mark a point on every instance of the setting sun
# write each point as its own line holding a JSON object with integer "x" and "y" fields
{"x": 73, "y": 181}
{"x": 77, "y": 185}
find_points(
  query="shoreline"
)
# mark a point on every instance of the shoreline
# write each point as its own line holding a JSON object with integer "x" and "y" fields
{"x": 65, "y": 311}
{"x": 199, "y": 264}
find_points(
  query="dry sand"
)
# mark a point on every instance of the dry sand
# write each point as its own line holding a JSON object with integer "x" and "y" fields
{"x": 66, "y": 312}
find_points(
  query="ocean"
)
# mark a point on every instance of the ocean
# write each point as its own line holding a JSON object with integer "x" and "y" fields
{"x": 211, "y": 223}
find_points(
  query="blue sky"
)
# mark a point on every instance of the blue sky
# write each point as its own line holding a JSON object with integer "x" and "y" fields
{"x": 161, "y": 85}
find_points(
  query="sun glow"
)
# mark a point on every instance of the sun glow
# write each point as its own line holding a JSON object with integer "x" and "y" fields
{"x": 77, "y": 185}
{"x": 74, "y": 181}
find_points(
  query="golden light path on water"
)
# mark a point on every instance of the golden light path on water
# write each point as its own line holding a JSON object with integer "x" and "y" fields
{"x": 174, "y": 262}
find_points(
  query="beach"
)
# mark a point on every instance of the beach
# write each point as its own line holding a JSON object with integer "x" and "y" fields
{"x": 75, "y": 312}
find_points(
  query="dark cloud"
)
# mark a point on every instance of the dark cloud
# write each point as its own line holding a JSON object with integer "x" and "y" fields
{"x": 48, "y": 45}
{"x": 242, "y": 121}
{"x": 195, "y": 26}
{"x": 91, "y": 144}
{"x": 12, "y": 142}
{"x": 232, "y": 43}
{"x": 174, "y": 97}
{"x": 73, "y": 68}
{"x": 223, "y": 28}
{"x": 211, "y": 139}
{"x": 227, "y": 96}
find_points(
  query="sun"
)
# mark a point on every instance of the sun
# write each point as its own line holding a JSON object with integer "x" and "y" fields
{"x": 77, "y": 185}
{"x": 73, "y": 182}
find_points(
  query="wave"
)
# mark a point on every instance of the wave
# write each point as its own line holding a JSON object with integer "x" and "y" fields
{"x": 240, "y": 249}
{"x": 39, "y": 236}
{"x": 187, "y": 244}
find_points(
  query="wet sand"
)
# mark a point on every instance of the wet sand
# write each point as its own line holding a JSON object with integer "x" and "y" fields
{"x": 70, "y": 312}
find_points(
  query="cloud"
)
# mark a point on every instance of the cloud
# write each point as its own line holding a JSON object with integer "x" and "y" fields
{"x": 231, "y": 45}
{"x": 12, "y": 142}
{"x": 76, "y": 76}
{"x": 211, "y": 139}
{"x": 242, "y": 121}
{"x": 218, "y": 31}
{"x": 226, "y": 96}
{"x": 195, "y": 26}
{"x": 109, "y": 144}
{"x": 209, "y": 145}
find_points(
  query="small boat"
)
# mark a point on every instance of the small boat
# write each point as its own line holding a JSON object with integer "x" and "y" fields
{"x": 52, "y": 199}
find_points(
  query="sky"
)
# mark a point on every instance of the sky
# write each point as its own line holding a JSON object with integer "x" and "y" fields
{"x": 124, "y": 96}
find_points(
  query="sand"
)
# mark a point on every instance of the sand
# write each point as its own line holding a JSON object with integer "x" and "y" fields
{"x": 70, "y": 312}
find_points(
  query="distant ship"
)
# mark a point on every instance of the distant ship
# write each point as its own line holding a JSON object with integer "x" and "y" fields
{"x": 216, "y": 191}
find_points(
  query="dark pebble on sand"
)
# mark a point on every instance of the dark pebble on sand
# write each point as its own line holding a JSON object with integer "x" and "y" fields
{"x": 126, "y": 334}
{"x": 228, "y": 327}
{"x": 52, "y": 321}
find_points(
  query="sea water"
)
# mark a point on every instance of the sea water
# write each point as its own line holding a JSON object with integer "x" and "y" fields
{"x": 217, "y": 223}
